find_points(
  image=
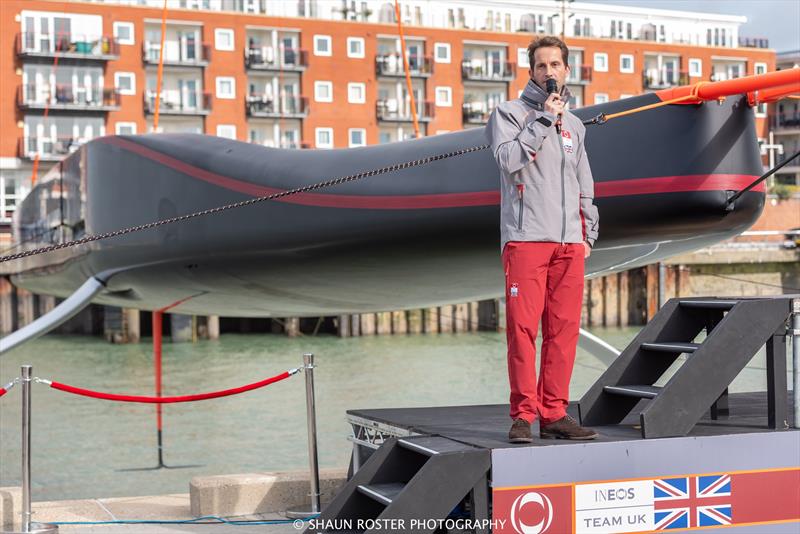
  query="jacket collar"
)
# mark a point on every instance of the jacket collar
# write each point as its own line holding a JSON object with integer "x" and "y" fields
{"x": 535, "y": 96}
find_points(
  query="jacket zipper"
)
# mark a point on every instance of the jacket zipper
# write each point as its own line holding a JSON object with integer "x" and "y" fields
{"x": 520, "y": 191}
{"x": 563, "y": 193}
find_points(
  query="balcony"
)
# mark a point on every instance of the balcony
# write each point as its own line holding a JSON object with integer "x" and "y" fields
{"x": 653, "y": 79}
{"x": 394, "y": 111}
{"x": 284, "y": 144}
{"x": 476, "y": 112}
{"x": 478, "y": 70}
{"x": 190, "y": 104}
{"x": 753, "y": 42}
{"x": 187, "y": 56}
{"x": 265, "y": 58}
{"x": 392, "y": 65}
{"x": 789, "y": 121}
{"x": 580, "y": 74}
{"x": 72, "y": 47}
{"x": 48, "y": 149}
{"x": 67, "y": 97}
{"x": 293, "y": 107}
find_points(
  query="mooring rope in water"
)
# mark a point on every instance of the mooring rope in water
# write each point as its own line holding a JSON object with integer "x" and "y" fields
{"x": 156, "y": 400}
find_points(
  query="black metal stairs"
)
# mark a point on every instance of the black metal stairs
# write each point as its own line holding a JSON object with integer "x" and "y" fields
{"x": 416, "y": 478}
{"x": 736, "y": 329}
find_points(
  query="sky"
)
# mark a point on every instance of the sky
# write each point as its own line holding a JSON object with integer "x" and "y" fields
{"x": 777, "y": 20}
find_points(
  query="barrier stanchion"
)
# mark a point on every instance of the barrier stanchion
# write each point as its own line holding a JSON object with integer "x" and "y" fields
{"x": 311, "y": 415}
{"x": 796, "y": 360}
{"x": 28, "y": 526}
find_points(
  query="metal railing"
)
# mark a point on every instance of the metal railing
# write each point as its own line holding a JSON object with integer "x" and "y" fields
{"x": 191, "y": 104}
{"x": 392, "y": 65}
{"x": 396, "y": 111}
{"x": 753, "y": 42}
{"x": 476, "y": 112}
{"x": 265, "y": 58}
{"x": 655, "y": 79}
{"x": 580, "y": 74}
{"x": 151, "y": 53}
{"x": 48, "y": 148}
{"x": 480, "y": 70}
{"x": 267, "y": 106}
{"x": 785, "y": 120}
{"x": 67, "y": 96}
{"x": 70, "y": 45}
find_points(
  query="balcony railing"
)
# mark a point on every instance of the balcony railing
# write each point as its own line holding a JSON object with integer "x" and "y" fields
{"x": 655, "y": 79}
{"x": 580, "y": 74}
{"x": 753, "y": 42}
{"x": 476, "y": 112}
{"x": 67, "y": 97}
{"x": 72, "y": 46}
{"x": 266, "y": 106}
{"x": 48, "y": 148}
{"x": 392, "y": 65}
{"x": 395, "y": 111}
{"x": 267, "y": 58}
{"x": 283, "y": 144}
{"x": 480, "y": 70}
{"x": 201, "y": 55}
{"x": 190, "y": 104}
{"x": 785, "y": 120}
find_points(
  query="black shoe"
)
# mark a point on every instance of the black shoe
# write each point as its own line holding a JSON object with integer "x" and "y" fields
{"x": 566, "y": 428}
{"x": 520, "y": 432}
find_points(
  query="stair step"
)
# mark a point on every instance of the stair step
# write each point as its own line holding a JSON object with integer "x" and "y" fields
{"x": 709, "y": 304}
{"x": 383, "y": 493}
{"x": 670, "y": 346}
{"x": 432, "y": 445}
{"x": 643, "y": 392}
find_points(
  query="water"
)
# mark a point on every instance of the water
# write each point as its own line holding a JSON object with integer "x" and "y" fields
{"x": 80, "y": 444}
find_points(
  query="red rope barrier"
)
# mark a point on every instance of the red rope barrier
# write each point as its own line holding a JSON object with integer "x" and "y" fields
{"x": 167, "y": 400}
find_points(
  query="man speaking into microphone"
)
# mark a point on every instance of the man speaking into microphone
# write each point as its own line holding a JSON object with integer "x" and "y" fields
{"x": 548, "y": 226}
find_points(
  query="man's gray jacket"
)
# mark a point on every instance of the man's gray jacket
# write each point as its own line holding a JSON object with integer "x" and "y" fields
{"x": 546, "y": 190}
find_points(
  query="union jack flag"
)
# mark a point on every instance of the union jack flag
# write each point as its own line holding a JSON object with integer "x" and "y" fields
{"x": 688, "y": 502}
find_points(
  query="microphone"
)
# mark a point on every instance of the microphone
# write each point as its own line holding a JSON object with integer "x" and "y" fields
{"x": 552, "y": 87}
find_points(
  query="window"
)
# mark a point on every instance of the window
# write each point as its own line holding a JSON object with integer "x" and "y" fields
{"x": 444, "y": 96}
{"x": 323, "y": 91}
{"x": 696, "y": 67}
{"x": 125, "y": 83}
{"x": 626, "y": 63}
{"x": 322, "y": 45}
{"x": 441, "y": 52}
{"x": 600, "y": 98}
{"x": 358, "y": 137}
{"x": 355, "y": 47}
{"x": 125, "y": 128}
{"x": 601, "y": 62}
{"x": 522, "y": 57}
{"x": 760, "y": 68}
{"x": 356, "y": 93}
{"x": 226, "y": 87}
{"x": 223, "y": 39}
{"x": 123, "y": 33}
{"x": 324, "y": 137}
{"x": 228, "y": 131}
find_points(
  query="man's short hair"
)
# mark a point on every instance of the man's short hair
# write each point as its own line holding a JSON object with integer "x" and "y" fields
{"x": 548, "y": 40}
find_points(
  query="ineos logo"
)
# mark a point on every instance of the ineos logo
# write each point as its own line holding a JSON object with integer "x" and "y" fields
{"x": 522, "y": 500}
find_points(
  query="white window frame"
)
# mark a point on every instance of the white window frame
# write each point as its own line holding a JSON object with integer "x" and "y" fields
{"x": 623, "y": 69}
{"x": 317, "y": 132}
{"x": 130, "y": 41}
{"x": 219, "y": 93}
{"x": 317, "y": 86}
{"x": 356, "y": 55}
{"x": 695, "y": 73}
{"x": 598, "y": 56}
{"x": 522, "y": 58}
{"x": 320, "y": 38}
{"x": 131, "y": 125}
{"x": 132, "y": 90}
{"x": 444, "y": 102}
{"x": 603, "y": 97}
{"x": 221, "y": 31}
{"x": 759, "y": 64}
{"x": 441, "y": 46}
{"x": 350, "y": 137}
{"x": 225, "y": 126}
{"x": 354, "y": 85}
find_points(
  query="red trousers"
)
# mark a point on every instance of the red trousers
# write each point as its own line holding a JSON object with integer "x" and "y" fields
{"x": 543, "y": 281}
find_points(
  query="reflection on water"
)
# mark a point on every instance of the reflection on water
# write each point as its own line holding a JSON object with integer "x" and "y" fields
{"x": 80, "y": 444}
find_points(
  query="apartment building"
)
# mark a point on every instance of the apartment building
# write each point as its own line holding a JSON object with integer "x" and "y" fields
{"x": 785, "y": 126}
{"x": 320, "y": 74}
